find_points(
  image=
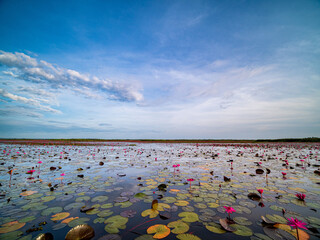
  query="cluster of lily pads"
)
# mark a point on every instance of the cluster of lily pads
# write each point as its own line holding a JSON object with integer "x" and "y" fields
{"x": 159, "y": 191}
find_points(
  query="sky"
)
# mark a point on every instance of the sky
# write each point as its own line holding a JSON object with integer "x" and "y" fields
{"x": 173, "y": 69}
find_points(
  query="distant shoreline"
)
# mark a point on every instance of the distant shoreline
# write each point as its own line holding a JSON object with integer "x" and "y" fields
{"x": 74, "y": 141}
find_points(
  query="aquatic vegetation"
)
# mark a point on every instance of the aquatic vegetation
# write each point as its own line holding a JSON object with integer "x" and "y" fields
{"x": 129, "y": 193}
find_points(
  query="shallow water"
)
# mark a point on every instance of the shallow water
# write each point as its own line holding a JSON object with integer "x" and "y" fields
{"x": 130, "y": 170}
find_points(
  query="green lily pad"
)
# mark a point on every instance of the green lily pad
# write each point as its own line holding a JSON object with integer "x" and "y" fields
{"x": 200, "y": 205}
{"x": 47, "y": 198}
{"x": 140, "y": 195}
{"x": 105, "y": 213}
{"x": 187, "y": 236}
{"x": 123, "y": 204}
{"x": 216, "y": 228}
{"x": 189, "y": 216}
{"x": 276, "y": 208}
{"x": 178, "y": 227}
{"x": 313, "y": 205}
{"x": 27, "y": 219}
{"x": 100, "y": 199}
{"x": 50, "y": 211}
{"x": 276, "y": 218}
{"x": 11, "y": 235}
{"x": 78, "y": 221}
{"x": 169, "y": 199}
{"x": 107, "y": 205}
{"x": 84, "y": 198}
{"x": 242, "y": 230}
{"x": 76, "y": 205}
{"x": 99, "y": 220}
{"x": 242, "y": 221}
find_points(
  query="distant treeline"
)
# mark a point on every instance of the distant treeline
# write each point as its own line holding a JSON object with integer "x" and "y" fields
{"x": 310, "y": 139}
{"x": 84, "y": 140}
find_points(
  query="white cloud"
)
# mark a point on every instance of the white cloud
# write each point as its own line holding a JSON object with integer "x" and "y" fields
{"x": 27, "y": 101}
{"x": 29, "y": 69}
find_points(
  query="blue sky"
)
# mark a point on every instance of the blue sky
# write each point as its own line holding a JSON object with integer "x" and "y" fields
{"x": 159, "y": 69}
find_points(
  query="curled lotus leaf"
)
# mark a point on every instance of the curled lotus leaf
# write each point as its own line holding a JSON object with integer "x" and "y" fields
{"x": 80, "y": 232}
{"x": 150, "y": 212}
{"x": 178, "y": 227}
{"x": 154, "y": 204}
{"x": 226, "y": 225}
{"x": 11, "y": 226}
{"x": 242, "y": 230}
{"x": 60, "y": 216}
{"x": 187, "y": 236}
{"x": 160, "y": 230}
{"x": 214, "y": 227}
{"x": 45, "y": 236}
{"x": 189, "y": 216}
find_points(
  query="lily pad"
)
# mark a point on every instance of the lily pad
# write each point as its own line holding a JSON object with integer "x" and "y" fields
{"x": 187, "y": 236}
{"x": 150, "y": 212}
{"x": 11, "y": 226}
{"x": 189, "y": 216}
{"x": 178, "y": 227}
{"x": 160, "y": 230}
{"x": 78, "y": 221}
{"x": 215, "y": 228}
{"x": 242, "y": 230}
{"x": 52, "y": 210}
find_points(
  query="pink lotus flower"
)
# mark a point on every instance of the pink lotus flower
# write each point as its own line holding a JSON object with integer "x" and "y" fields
{"x": 301, "y": 196}
{"x": 62, "y": 174}
{"x": 190, "y": 180}
{"x": 260, "y": 191}
{"x": 295, "y": 223}
{"x": 229, "y": 210}
{"x": 284, "y": 174}
{"x": 40, "y": 162}
{"x": 31, "y": 171}
{"x": 174, "y": 166}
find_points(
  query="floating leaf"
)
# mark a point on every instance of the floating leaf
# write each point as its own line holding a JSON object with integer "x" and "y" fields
{"x": 163, "y": 206}
{"x": 75, "y": 205}
{"x": 140, "y": 195}
{"x": 78, "y": 221}
{"x": 154, "y": 204}
{"x": 49, "y": 211}
{"x": 213, "y": 205}
{"x": 178, "y": 227}
{"x": 189, "y": 216}
{"x": 99, "y": 220}
{"x": 60, "y": 216}
{"x": 100, "y": 199}
{"x": 276, "y": 208}
{"x": 160, "y": 230}
{"x": 187, "y": 236}
{"x": 45, "y": 236}
{"x": 28, "y": 193}
{"x": 128, "y": 213}
{"x": 181, "y": 203}
{"x": 11, "y": 226}
{"x": 150, "y": 212}
{"x": 81, "y": 232}
{"x": 105, "y": 213}
{"x": 226, "y": 225}
{"x": 241, "y": 230}
{"x": 242, "y": 221}
{"x": 67, "y": 220}
{"x": 276, "y": 218}
{"x": 216, "y": 228}
{"x": 27, "y": 219}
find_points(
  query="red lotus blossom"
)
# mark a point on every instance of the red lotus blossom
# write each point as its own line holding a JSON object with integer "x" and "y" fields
{"x": 190, "y": 180}
{"x": 301, "y": 196}
{"x": 295, "y": 223}
{"x": 229, "y": 209}
{"x": 62, "y": 174}
{"x": 284, "y": 173}
{"x": 260, "y": 191}
{"x": 31, "y": 171}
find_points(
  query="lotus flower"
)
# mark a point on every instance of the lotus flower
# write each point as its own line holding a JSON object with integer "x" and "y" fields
{"x": 284, "y": 174}
{"x": 229, "y": 210}
{"x": 260, "y": 191}
{"x": 301, "y": 196}
{"x": 190, "y": 180}
{"x": 295, "y": 224}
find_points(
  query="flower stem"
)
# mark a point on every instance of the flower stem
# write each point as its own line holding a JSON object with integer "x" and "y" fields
{"x": 297, "y": 234}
